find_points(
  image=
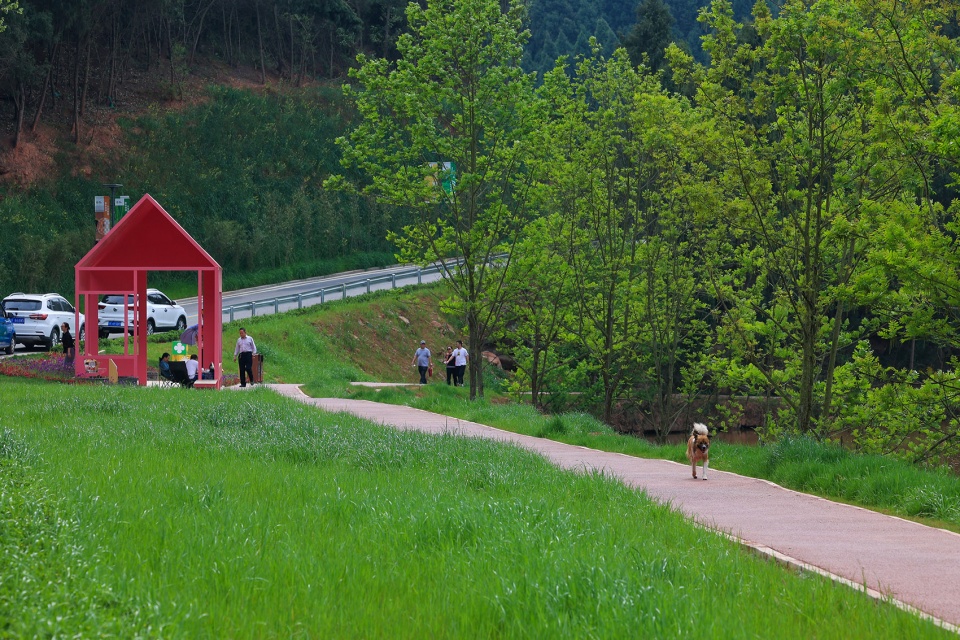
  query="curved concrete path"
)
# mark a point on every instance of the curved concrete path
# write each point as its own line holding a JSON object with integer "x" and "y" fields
{"x": 916, "y": 566}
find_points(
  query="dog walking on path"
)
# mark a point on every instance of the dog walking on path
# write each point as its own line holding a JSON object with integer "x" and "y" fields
{"x": 698, "y": 449}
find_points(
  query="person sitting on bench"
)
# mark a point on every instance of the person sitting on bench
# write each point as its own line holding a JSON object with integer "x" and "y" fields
{"x": 192, "y": 365}
{"x": 165, "y": 372}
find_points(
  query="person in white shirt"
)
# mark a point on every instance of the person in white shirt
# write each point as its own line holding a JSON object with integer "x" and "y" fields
{"x": 244, "y": 350}
{"x": 461, "y": 357}
{"x": 192, "y": 366}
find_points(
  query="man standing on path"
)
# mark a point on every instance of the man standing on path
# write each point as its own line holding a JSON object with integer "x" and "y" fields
{"x": 422, "y": 361}
{"x": 461, "y": 357}
{"x": 245, "y": 349}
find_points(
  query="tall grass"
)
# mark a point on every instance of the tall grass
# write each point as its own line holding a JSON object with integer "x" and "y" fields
{"x": 176, "y": 514}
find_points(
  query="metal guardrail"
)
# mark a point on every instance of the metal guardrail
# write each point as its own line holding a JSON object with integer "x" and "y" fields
{"x": 339, "y": 292}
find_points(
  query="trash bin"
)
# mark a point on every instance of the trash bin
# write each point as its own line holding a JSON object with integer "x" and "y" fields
{"x": 258, "y": 368}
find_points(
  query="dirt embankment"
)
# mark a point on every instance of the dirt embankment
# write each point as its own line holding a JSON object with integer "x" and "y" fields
{"x": 51, "y": 150}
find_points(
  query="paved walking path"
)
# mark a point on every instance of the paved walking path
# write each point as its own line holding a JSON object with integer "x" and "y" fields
{"x": 916, "y": 565}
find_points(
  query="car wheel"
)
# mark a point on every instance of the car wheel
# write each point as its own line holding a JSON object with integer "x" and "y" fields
{"x": 103, "y": 334}
{"x": 83, "y": 333}
{"x": 54, "y": 339}
{"x": 151, "y": 327}
{"x": 9, "y": 349}
{"x": 181, "y": 324}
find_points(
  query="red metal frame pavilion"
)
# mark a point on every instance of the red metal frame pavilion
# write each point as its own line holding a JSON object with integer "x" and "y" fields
{"x": 146, "y": 239}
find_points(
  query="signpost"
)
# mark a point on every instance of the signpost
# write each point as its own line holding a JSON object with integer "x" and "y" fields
{"x": 109, "y": 209}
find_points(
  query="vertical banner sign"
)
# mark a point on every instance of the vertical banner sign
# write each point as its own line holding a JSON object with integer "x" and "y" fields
{"x": 444, "y": 176}
{"x": 101, "y": 209}
{"x": 121, "y": 204}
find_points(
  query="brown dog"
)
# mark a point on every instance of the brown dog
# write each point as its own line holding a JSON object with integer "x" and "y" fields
{"x": 698, "y": 449}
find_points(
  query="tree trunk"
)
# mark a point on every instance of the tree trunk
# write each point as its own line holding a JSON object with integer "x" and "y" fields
{"x": 20, "y": 102}
{"x": 280, "y": 48}
{"x": 386, "y": 32}
{"x": 86, "y": 80}
{"x": 196, "y": 38}
{"x": 263, "y": 68}
{"x": 293, "y": 57}
{"x": 227, "y": 42}
{"x": 46, "y": 86}
{"x": 173, "y": 74}
{"x": 76, "y": 95}
{"x": 112, "y": 78}
{"x": 476, "y": 360}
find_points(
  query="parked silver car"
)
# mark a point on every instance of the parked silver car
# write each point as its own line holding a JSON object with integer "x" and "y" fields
{"x": 162, "y": 313}
{"x": 37, "y": 317}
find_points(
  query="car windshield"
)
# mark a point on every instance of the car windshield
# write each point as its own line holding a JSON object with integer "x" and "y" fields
{"x": 117, "y": 299}
{"x": 22, "y": 305}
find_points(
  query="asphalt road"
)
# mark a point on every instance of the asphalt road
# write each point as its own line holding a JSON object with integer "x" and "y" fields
{"x": 284, "y": 296}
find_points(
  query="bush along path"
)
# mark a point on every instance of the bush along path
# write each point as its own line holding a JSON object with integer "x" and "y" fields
{"x": 910, "y": 564}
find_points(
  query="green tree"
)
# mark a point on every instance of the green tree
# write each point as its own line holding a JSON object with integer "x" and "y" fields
{"x": 6, "y": 6}
{"x": 810, "y": 170}
{"x": 649, "y": 38}
{"x": 446, "y": 132}
{"x": 540, "y": 303}
{"x": 623, "y": 153}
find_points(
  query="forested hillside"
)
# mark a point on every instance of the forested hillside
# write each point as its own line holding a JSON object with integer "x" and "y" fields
{"x": 123, "y": 91}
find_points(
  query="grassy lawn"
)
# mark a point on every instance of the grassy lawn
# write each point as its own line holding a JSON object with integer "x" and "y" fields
{"x": 172, "y": 513}
{"x": 169, "y": 513}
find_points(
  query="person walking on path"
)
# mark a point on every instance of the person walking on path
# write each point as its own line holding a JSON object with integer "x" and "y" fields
{"x": 244, "y": 350}
{"x": 422, "y": 361}
{"x": 69, "y": 345}
{"x": 451, "y": 366}
{"x": 461, "y": 357}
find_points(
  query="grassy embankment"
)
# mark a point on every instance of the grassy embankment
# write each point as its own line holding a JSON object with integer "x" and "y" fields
{"x": 162, "y": 513}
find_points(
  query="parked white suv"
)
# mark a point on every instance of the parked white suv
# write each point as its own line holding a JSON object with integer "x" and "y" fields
{"x": 37, "y": 318}
{"x": 162, "y": 313}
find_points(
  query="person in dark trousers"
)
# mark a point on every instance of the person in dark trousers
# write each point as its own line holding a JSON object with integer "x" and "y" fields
{"x": 461, "y": 358}
{"x": 244, "y": 351}
{"x": 451, "y": 366}
{"x": 69, "y": 346}
{"x": 422, "y": 361}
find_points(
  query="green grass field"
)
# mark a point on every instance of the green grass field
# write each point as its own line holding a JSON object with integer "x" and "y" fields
{"x": 170, "y": 513}
{"x": 166, "y": 513}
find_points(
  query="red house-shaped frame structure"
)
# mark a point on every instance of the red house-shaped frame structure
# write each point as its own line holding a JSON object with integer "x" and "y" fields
{"x": 147, "y": 239}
